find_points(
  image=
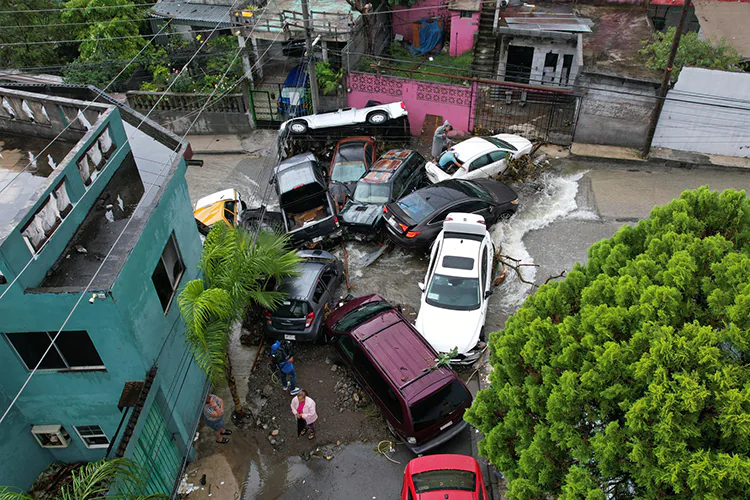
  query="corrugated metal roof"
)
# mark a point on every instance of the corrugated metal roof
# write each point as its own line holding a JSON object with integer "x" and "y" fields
{"x": 196, "y": 12}
{"x": 550, "y": 23}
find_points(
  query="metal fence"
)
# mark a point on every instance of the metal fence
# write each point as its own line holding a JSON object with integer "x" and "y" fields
{"x": 230, "y": 103}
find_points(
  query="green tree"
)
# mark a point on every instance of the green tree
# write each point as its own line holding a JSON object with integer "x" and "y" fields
{"x": 115, "y": 479}
{"x": 631, "y": 377}
{"x": 106, "y": 35}
{"x": 237, "y": 274}
{"x": 692, "y": 51}
{"x": 31, "y": 28}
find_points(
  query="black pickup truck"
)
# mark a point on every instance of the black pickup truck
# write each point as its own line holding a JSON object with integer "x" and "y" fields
{"x": 306, "y": 206}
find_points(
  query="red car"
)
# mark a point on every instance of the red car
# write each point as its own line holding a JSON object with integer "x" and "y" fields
{"x": 443, "y": 476}
{"x": 352, "y": 159}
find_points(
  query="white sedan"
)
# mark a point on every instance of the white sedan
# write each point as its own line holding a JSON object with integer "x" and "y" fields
{"x": 373, "y": 115}
{"x": 480, "y": 157}
{"x": 456, "y": 288}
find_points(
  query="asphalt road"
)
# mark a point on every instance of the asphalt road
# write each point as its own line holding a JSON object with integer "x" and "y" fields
{"x": 561, "y": 215}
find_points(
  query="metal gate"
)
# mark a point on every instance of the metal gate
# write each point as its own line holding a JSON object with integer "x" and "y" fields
{"x": 158, "y": 453}
{"x": 265, "y": 107}
{"x": 542, "y": 115}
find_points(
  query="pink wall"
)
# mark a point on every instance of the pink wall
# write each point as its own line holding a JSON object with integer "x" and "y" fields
{"x": 462, "y": 33}
{"x": 403, "y": 16}
{"x": 453, "y": 102}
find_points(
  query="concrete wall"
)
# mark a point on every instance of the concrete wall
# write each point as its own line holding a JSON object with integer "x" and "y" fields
{"x": 128, "y": 328}
{"x": 208, "y": 123}
{"x": 707, "y": 112}
{"x": 403, "y": 17}
{"x": 610, "y": 114}
{"x": 452, "y": 102}
{"x": 565, "y": 45}
{"x": 463, "y": 33}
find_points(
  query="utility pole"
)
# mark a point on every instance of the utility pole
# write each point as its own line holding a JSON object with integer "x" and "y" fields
{"x": 665, "y": 81}
{"x": 311, "y": 65}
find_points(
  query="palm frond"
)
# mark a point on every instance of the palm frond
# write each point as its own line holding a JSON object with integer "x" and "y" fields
{"x": 8, "y": 493}
{"x": 95, "y": 479}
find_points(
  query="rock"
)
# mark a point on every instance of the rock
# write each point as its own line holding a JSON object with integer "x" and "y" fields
{"x": 273, "y": 441}
{"x": 334, "y": 368}
{"x": 328, "y": 360}
{"x": 265, "y": 427}
{"x": 81, "y": 249}
{"x": 258, "y": 423}
{"x": 267, "y": 390}
{"x": 338, "y": 443}
{"x": 275, "y": 432}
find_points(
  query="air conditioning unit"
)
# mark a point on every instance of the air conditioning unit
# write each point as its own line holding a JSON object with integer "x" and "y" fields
{"x": 51, "y": 436}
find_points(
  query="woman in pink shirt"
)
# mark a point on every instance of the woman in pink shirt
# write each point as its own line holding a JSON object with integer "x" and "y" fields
{"x": 303, "y": 408}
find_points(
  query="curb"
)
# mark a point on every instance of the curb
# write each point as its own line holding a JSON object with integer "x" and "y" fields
{"x": 221, "y": 152}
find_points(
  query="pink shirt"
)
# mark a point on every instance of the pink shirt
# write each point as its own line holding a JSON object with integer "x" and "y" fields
{"x": 301, "y": 407}
{"x": 307, "y": 409}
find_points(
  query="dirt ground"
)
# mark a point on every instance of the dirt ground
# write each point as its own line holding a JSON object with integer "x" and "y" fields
{"x": 345, "y": 413}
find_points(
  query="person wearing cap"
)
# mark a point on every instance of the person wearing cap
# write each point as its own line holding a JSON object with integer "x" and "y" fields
{"x": 440, "y": 139}
{"x": 285, "y": 362}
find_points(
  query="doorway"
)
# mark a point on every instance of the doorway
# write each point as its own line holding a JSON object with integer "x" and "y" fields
{"x": 518, "y": 69}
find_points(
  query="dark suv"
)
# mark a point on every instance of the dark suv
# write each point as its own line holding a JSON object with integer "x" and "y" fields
{"x": 395, "y": 174}
{"x": 422, "y": 404}
{"x": 301, "y": 315}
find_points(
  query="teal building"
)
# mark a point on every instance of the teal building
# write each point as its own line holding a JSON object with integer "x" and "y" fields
{"x": 97, "y": 238}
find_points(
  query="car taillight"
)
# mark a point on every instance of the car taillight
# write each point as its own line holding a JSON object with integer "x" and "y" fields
{"x": 448, "y": 219}
{"x": 336, "y": 220}
{"x": 385, "y": 210}
{"x": 309, "y": 319}
{"x": 412, "y": 234}
{"x": 403, "y": 227}
{"x": 403, "y": 105}
{"x": 267, "y": 314}
{"x": 297, "y": 187}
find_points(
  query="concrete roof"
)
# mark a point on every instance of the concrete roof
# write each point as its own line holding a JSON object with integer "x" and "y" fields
{"x": 725, "y": 20}
{"x": 197, "y": 12}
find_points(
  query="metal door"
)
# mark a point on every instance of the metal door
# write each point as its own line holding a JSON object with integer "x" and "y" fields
{"x": 158, "y": 453}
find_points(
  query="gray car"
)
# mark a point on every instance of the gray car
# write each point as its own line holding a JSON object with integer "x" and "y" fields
{"x": 301, "y": 315}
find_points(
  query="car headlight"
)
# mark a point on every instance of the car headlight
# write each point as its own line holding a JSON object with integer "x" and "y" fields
{"x": 514, "y": 202}
{"x": 411, "y": 440}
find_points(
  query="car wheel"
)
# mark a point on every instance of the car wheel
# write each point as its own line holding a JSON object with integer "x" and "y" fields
{"x": 392, "y": 431}
{"x": 298, "y": 127}
{"x": 377, "y": 118}
{"x": 505, "y": 216}
{"x": 483, "y": 335}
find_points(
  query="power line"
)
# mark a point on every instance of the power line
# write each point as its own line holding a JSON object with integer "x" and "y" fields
{"x": 78, "y": 8}
{"x": 114, "y": 245}
{"x": 55, "y": 25}
{"x": 82, "y": 40}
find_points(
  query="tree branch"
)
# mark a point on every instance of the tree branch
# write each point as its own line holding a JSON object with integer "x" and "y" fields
{"x": 518, "y": 264}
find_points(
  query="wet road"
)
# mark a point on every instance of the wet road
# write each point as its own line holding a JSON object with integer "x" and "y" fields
{"x": 560, "y": 216}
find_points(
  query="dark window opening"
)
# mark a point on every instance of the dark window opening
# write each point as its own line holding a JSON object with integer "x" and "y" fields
{"x": 3, "y": 281}
{"x": 439, "y": 405}
{"x": 567, "y": 65}
{"x": 518, "y": 68}
{"x": 73, "y": 350}
{"x": 169, "y": 270}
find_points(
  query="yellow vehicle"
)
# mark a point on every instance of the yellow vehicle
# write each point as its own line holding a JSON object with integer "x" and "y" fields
{"x": 225, "y": 206}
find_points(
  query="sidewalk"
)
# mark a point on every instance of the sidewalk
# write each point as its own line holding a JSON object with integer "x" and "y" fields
{"x": 259, "y": 142}
{"x": 669, "y": 157}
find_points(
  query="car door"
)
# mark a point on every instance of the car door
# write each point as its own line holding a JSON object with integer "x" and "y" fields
{"x": 477, "y": 168}
{"x": 398, "y": 185}
{"x": 330, "y": 281}
{"x": 485, "y": 273}
{"x": 498, "y": 163}
{"x": 433, "y": 264}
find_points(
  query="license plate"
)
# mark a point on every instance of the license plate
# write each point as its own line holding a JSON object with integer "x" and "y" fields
{"x": 318, "y": 239}
{"x": 289, "y": 337}
{"x": 445, "y": 426}
{"x": 392, "y": 222}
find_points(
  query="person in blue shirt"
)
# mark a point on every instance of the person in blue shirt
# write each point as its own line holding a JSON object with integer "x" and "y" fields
{"x": 448, "y": 160}
{"x": 285, "y": 361}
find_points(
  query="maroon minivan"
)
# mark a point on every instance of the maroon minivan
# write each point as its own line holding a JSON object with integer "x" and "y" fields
{"x": 423, "y": 405}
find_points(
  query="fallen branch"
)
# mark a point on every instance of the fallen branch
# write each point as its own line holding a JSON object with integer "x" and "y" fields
{"x": 517, "y": 265}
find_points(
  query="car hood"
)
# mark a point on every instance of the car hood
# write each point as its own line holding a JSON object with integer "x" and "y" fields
{"x": 445, "y": 329}
{"x": 501, "y": 192}
{"x": 365, "y": 214}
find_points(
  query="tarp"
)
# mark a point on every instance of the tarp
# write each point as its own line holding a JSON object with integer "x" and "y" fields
{"x": 430, "y": 37}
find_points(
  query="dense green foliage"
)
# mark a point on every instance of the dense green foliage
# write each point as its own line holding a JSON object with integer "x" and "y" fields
{"x": 692, "y": 51}
{"x": 30, "y": 28}
{"x": 631, "y": 377}
{"x": 402, "y": 62}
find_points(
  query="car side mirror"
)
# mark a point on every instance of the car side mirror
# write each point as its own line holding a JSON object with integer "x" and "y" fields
{"x": 421, "y": 286}
{"x": 487, "y": 293}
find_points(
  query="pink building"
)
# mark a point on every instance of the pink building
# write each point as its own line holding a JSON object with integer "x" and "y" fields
{"x": 460, "y": 19}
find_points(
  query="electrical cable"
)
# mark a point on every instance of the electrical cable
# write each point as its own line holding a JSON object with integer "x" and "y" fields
{"x": 114, "y": 245}
{"x": 82, "y": 40}
{"x": 78, "y": 8}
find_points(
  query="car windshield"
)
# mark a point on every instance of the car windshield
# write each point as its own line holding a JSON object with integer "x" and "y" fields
{"x": 368, "y": 192}
{"x": 444, "y": 480}
{"x": 292, "y": 309}
{"x": 349, "y": 165}
{"x": 356, "y": 317}
{"x": 473, "y": 189}
{"x": 418, "y": 206}
{"x": 500, "y": 144}
{"x": 450, "y": 292}
{"x": 438, "y": 406}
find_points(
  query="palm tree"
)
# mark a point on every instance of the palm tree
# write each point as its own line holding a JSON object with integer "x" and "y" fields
{"x": 110, "y": 479}
{"x": 237, "y": 272}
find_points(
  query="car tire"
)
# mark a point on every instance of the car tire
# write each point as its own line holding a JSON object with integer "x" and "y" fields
{"x": 482, "y": 335}
{"x": 298, "y": 127}
{"x": 505, "y": 216}
{"x": 377, "y": 118}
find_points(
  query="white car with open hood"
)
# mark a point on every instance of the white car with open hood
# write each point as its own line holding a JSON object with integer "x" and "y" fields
{"x": 457, "y": 287}
{"x": 373, "y": 115}
{"x": 480, "y": 157}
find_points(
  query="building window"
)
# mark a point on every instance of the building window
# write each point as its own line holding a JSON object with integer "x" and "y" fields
{"x": 73, "y": 350}
{"x": 465, "y": 14}
{"x": 92, "y": 436}
{"x": 168, "y": 272}
{"x": 3, "y": 281}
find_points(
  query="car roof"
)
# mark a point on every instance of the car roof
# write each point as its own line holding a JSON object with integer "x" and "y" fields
{"x": 450, "y": 190}
{"x": 355, "y": 139}
{"x": 387, "y": 165}
{"x": 296, "y": 171}
{"x": 301, "y": 287}
{"x": 226, "y": 194}
{"x": 472, "y": 147}
{"x": 460, "y": 248}
{"x": 442, "y": 462}
{"x": 402, "y": 353}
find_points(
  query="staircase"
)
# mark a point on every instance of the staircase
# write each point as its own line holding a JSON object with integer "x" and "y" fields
{"x": 484, "y": 62}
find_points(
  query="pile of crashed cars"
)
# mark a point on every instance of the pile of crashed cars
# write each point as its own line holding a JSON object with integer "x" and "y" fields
{"x": 444, "y": 209}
